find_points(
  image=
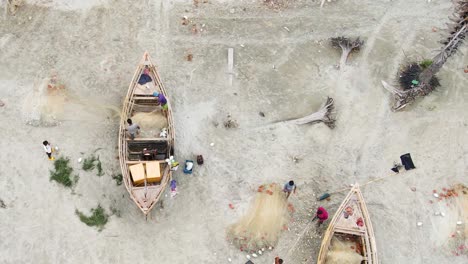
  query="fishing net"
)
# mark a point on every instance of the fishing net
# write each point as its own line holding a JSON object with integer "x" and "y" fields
{"x": 456, "y": 223}
{"x": 150, "y": 123}
{"x": 344, "y": 252}
{"x": 44, "y": 105}
{"x": 261, "y": 226}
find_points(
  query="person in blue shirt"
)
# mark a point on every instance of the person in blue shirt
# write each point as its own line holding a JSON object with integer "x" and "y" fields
{"x": 145, "y": 77}
{"x": 289, "y": 188}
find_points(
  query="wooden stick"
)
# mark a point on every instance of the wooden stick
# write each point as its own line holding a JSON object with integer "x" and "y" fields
{"x": 230, "y": 64}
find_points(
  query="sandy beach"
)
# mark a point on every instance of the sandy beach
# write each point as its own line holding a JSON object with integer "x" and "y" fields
{"x": 283, "y": 67}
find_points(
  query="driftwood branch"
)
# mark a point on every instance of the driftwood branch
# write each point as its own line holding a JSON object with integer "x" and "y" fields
{"x": 324, "y": 114}
{"x": 347, "y": 46}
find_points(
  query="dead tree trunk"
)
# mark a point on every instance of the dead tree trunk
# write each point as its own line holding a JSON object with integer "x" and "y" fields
{"x": 347, "y": 46}
{"x": 324, "y": 114}
{"x": 425, "y": 85}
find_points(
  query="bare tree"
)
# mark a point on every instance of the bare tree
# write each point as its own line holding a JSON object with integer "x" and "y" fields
{"x": 347, "y": 46}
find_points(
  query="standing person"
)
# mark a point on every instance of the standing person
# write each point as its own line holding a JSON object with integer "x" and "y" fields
{"x": 278, "y": 260}
{"x": 321, "y": 214}
{"x": 132, "y": 129}
{"x": 289, "y": 188}
{"x": 48, "y": 149}
{"x": 162, "y": 100}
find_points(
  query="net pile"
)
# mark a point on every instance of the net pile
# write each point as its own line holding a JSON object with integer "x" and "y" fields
{"x": 261, "y": 226}
{"x": 344, "y": 252}
{"x": 151, "y": 123}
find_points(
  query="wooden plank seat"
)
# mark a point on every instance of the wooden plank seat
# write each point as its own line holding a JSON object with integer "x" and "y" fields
{"x": 144, "y": 161}
{"x": 147, "y": 139}
{"x": 145, "y": 98}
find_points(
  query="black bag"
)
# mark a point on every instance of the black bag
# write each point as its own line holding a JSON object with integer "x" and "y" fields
{"x": 407, "y": 161}
{"x": 200, "y": 160}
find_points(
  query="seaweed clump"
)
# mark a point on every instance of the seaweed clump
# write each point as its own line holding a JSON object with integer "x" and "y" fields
{"x": 63, "y": 172}
{"x": 98, "y": 217}
{"x": 91, "y": 163}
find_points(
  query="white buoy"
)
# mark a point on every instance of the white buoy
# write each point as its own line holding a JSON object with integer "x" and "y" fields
{"x": 248, "y": 256}
{"x": 212, "y": 144}
{"x": 254, "y": 255}
{"x": 260, "y": 252}
{"x": 79, "y": 160}
{"x": 229, "y": 259}
{"x": 459, "y": 222}
{"x": 419, "y": 224}
{"x": 436, "y": 195}
{"x": 442, "y": 214}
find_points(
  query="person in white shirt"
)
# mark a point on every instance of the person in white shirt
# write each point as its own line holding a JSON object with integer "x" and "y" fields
{"x": 133, "y": 129}
{"x": 48, "y": 149}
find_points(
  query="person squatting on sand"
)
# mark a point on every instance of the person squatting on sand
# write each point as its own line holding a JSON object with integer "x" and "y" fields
{"x": 48, "y": 149}
{"x": 132, "y": 129}
{"x": 161, "y": 99}
{"x": 321, "y": 215}
{"x": 289, "y": 187}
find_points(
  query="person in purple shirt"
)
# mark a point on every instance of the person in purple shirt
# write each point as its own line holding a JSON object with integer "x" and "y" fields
{"x": 162, "y": 100}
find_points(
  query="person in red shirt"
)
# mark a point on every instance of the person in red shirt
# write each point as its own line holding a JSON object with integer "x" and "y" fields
{"x": 321, "y": 214}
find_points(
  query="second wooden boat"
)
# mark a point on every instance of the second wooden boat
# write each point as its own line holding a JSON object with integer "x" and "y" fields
{"x": 145, "y": 171}
{"x": 351, "y": 224}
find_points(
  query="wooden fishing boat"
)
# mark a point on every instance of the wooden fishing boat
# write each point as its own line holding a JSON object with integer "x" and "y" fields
{"x": 145, "y": 171}
{"x": 351, "y": 223}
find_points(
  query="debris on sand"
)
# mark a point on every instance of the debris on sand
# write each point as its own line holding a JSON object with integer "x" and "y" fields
{"x": 276, "y": 4}
{"x": 194, "y": 29}
{"x": 14, "y": 5}
{"x": 325, "y": 114}
{"x": 347, "y": 46}
{"x": 197, "y": 2}
{"x": 230, "y": 122}
{"x": 2, "y": 204}
{"x": 185, "y": 21}
{"x": 323, "y": 2}
{"x": 189, "y": 57}
{"x": 2, "y": 104}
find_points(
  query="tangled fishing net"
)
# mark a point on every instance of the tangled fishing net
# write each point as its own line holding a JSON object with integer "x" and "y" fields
{"x": 43, "y": 106}
{"x": 151, "y": 123}
{"x": 344, "y": 252}
{"x": 264, "y": 221}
